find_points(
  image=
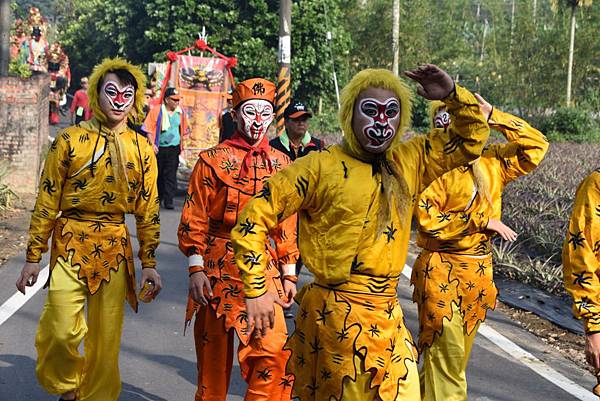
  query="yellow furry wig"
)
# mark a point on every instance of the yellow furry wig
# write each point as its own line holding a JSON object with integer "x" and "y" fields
{"x": 136, "y": 115}
{"x": 396, "y": 193}
{"x": 377, "y": 78}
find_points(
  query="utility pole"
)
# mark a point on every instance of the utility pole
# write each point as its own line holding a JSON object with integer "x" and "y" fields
{"x": 395, "y": 35}
{"x": 285, "y": 60}
{"x": 4, "y": 37}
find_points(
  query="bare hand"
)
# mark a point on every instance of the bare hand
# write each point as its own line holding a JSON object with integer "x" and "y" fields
{"x": 486, "y": 108}
{"x": 289, "y": 290}
{"x": 433, "y": 83}
{"x": 592, "y": 350}
{"x": 151, "y": 274}
{"x": 199, "y": 282}
{"x": 261, "y": 313}
{"x": 28, "y": 277}
{"x": 502, "y": 229}
{"x": 155, "y": 148}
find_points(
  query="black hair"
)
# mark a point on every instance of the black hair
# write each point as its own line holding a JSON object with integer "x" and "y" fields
{"x": 125, "y": 77}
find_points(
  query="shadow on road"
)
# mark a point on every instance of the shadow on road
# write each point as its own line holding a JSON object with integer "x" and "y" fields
{"x": 17, "y": 380}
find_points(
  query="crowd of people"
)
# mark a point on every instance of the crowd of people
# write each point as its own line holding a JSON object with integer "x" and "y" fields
{"x": 257, "y": 211}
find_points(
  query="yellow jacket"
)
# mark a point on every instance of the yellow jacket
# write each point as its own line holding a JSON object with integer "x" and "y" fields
{"x": 82, "y": 204}
{"x": 337, "y": 197}
{"x": 581, "y": 253}
{"x": 452, "y": 216}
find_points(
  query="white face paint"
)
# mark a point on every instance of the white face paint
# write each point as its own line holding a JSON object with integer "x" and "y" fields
{"x": 441, "y": 119}
{"x": 256, "y": 117}
{"x": 119, "y": 98}
{"x": 376, "y": 119}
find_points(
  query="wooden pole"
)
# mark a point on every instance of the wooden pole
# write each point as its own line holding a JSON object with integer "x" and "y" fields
{"x": 284, "y": 77}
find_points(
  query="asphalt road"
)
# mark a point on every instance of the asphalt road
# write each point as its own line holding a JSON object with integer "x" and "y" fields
{"x": 158, "y": 361}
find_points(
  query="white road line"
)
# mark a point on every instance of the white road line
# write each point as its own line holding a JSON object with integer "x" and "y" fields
{"x": 14, "y": 303}
{"x": 528, "y": 359}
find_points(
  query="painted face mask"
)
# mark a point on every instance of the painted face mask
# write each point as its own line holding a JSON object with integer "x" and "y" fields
{"x": 376, "y": 121}
{"x": 441, "y": 119}
{"x": 256, "y": 115}
{"x": 119, "y": 98}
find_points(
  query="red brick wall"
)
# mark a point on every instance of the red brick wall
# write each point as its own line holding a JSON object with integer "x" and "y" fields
{"x": 23, "y": 128}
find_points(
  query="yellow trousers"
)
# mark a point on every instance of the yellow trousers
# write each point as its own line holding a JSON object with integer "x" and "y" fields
{"x": 60, "y": 368}
{"x": 443, "y": 374}
{"x": 359, "y": 390}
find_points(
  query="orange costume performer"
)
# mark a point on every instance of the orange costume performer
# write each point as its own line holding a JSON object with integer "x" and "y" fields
{"x": 224, "y": 179}
{"x": 92, "y": 177}
{"x": 452, "y": 277}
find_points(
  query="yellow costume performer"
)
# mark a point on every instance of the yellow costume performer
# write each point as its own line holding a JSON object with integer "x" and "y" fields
{"x": 92, "y": 177}
{"x": 452, "y": 277}
{"x": 350, "y": 341}
{"x": 581, "y": 254}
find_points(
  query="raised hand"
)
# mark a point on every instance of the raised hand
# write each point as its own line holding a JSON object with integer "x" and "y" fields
{"x": 433, "y": 83}
{"x": 486, "y": 108}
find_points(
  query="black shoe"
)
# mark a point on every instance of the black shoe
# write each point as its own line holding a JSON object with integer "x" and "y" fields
{"x": 169, "y": 206}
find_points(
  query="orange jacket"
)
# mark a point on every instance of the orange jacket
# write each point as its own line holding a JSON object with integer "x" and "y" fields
{"x": 152, "y": 125}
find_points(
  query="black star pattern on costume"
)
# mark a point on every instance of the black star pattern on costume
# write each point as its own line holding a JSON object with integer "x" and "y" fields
{"x": 428, "y": 269}
{"x": 576, "y": 239}
{"x": 185, "y": 229}
{"x": 108, "y": 197}
{"x": 247, "y": 227}
{"x": 481, "y": 268}
{"x": 82, "y": 237}
{"x": 232, "y": 290}
{"x": 444, "y": 288}
{"x": 189, "y": 200}
{"x": 303, "y": 313}
{"x": 323, "y": 313}
{"x": 264, "y": 374}
{"x": 390, "y": 232}
{"x": 49, "y": 186}
{"x": 584, "y": 304}
{"x": 301, "y": 360}
{"x": 390, "y": 310}
{"x": 315, "y": 346}
{"x": 265, "y": 192}
{"x": 342, "y": 335}
{"x": 80, "y": 184}
{"x": 425, "y": 204}
{"x": 97, "y": 226}
{"x": 325, "y": 374}
{"x": 582, "y": 278}
{"x": 242, "y": 317}
{"x": 443, "y": 217}
{"x": 252, "y": 259}
{"x": 392, "y": 347}
{"x": 228, "y": 165}
{"x": 374, "y": 330}
{"x": 286, "y": 382}
{"x": 470, "y": 285}
{"x": 97, "y": 252}
{"x": 480, "y": 296}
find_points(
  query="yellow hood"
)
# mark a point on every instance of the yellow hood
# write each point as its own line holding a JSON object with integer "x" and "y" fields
{"x": 378, "y": 78}
{"x": 136, "y": 115}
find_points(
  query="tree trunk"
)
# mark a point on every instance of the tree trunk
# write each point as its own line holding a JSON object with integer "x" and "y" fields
{"x": 4, "y": 37}
{"x": 395, "y": 35}
{"x": 571, "y": 51}
{"x": 512, "y": 28}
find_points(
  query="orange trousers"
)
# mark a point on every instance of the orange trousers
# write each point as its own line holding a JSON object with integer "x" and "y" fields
{"x": 262, "y": 361}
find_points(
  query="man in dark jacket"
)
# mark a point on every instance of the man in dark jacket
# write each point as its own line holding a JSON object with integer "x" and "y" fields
{"x": 296, "y": 141}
